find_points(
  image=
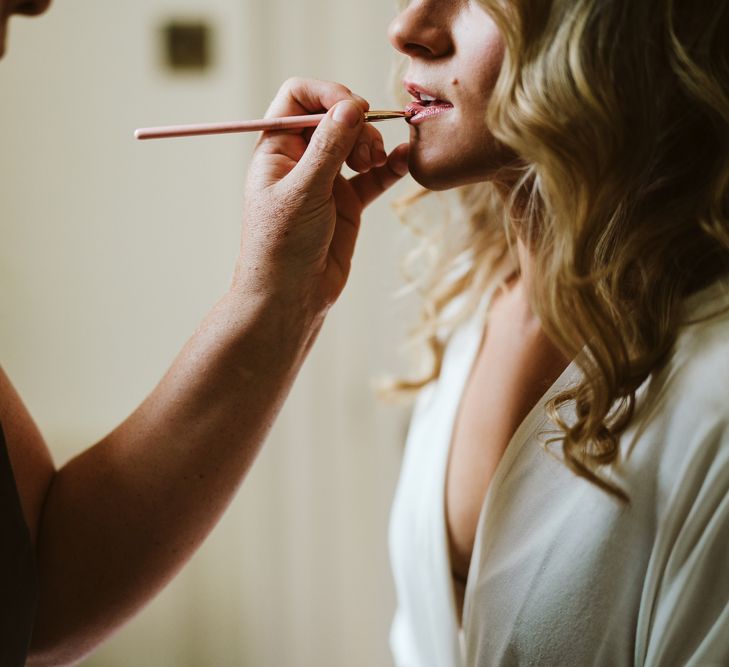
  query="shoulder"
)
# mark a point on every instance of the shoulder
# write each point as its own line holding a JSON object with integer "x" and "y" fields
{"x": 681, "y": 425}
{"x": 30, "y": 459}
{"x": 693, "y": 385}
{"x": 698, "y": 371}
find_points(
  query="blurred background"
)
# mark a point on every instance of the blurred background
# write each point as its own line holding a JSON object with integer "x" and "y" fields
{"x": 112, "y": 253}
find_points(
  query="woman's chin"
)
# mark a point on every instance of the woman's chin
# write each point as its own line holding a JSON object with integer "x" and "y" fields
{"x": 433, "y": 174}
{"x": 443, "y": 175}
{"x": 441, "y": 170}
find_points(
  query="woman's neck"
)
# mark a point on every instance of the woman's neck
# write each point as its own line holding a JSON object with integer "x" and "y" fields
{"x": 520, "y": 285}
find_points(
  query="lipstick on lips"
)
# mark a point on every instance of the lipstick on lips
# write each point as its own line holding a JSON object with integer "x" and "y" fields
{"x": 426, "y": 104}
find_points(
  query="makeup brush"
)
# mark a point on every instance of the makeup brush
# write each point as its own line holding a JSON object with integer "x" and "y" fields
{"x": 284, "y": 123}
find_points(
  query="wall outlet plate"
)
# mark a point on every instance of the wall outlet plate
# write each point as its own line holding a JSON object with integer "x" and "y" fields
{"x": 187, "y": 45}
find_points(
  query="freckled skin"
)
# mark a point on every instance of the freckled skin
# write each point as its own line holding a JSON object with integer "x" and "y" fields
{"x": 112, "y": 526}
{"x": 455, "y": 50}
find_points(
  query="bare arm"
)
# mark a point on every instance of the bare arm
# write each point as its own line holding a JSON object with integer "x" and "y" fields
{"x": 124, "y": 516}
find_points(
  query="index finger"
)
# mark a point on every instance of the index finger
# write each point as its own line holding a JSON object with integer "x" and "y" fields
{"x": 304, "y": 96}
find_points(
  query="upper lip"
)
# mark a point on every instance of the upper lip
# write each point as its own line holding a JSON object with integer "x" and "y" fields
{"x": 416, "y": 91}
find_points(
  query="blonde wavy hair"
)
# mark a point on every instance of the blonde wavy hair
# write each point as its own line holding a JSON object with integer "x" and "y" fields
{"x": 619, "y": 113}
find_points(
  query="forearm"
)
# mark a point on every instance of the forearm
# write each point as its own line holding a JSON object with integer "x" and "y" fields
{"x": 123, "y": 517}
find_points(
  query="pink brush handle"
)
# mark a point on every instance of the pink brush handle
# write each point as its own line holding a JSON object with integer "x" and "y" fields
{"x": 285, "y": 123}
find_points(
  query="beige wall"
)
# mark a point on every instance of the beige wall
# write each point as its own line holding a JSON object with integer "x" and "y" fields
{"x": 112, "y": 252}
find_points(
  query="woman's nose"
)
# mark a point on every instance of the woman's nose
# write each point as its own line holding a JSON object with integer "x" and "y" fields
{"x": 421, "y": 30}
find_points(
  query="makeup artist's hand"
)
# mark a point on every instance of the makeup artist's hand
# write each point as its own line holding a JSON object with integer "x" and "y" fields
{"x": 176, "y": 462}
{"x": 301, "y": 215}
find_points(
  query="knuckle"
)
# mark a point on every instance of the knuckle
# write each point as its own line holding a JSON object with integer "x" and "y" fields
{"x": 292, "y": 83}
{"x": 341, "y": 89}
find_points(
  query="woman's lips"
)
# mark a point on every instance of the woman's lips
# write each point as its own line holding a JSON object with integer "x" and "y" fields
{"x": 423, "y": 111}
{"x": 427, "y": 103}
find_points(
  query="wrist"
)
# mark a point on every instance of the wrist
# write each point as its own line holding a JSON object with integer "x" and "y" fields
{"x": 296, "y": 292}
{"x": 281, "y": 324}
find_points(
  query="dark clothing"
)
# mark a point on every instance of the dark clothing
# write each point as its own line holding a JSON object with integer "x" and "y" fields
{"x": 18, "y": 577}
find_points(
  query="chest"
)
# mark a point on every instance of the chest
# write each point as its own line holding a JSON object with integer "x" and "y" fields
{"x": 513, "y": 369}
{"x": 559, "y": 571}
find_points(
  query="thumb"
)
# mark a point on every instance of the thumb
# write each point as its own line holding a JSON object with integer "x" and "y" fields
{"x": 331, "y": 143}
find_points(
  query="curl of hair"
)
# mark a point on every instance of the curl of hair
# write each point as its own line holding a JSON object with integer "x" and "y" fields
{"x": 461, "y": 256}
{"x": 620, "y": 112}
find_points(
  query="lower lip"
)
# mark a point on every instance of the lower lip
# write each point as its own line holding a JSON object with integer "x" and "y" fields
{"x": 422, "y": 113}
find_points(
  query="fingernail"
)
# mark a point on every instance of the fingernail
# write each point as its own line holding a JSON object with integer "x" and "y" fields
{"x": 347, "y": 113}
{"x": 364, "y": 153}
